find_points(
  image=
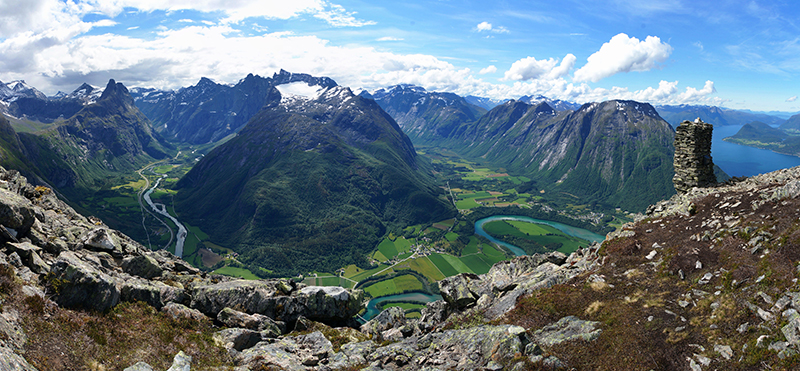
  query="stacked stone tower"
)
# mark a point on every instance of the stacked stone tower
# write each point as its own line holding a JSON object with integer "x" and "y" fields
{"x": 693, "y": 164}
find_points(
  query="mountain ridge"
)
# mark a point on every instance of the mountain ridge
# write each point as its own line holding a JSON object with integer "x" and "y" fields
{"x": 337, "y": 154}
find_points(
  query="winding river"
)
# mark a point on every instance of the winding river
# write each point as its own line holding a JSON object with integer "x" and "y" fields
{"x": 163, "y": 211}
{"x": 570, "y": 230}
{"x": 372, "y": 305}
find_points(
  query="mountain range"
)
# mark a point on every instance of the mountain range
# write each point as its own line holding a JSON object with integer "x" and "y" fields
{"x": 614, "y": 153}
{"x": 307, "y": 174}
{"x": 425, "y": 116}
{"x": 208, "y": 112}
{"x": 313, "y": 181}
{"x": 783, "y": 139}
{"x": 717, "y": 116}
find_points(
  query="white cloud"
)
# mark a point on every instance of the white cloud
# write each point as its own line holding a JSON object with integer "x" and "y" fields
{"x": 486, "y": 26}
{"x": 791, "y": 99}
{"x": 529, "y": 68}
{"x": 59, "y": 56}
{"x": 337, "y": 16}
{"x": 490, "y": 69}
{"x": 699, "y": 45}
{"x": 623, "y": 54}
{"x": 390, "y": 38}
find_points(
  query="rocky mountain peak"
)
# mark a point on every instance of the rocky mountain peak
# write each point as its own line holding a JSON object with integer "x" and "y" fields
{"x": 285, "y": 77}
{"x": 20, "y": 89}
{"x": 117, "y": 93}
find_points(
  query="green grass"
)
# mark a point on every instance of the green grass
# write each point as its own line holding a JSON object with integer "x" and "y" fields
{"x": 423, "y": 266}
{"x": 542, "y": 234}
{"x": 122, "y": 201}
{"x": 481, "y": 194}
{"x": 467, "y": 204}
{"x": 443, "y": 265}
{"x": 472, "y": 246}
{"x": 492, "y": 254}
{"x": 393, "y": 286}
{"x": 402, "y": 244}
{"x": 364, "y": 274}
{"x": 533, "y": 228}
{"x": 237, "y": 272}
{"x": 501, "y": 227}
{"x": 379, "y": 256}
{"x": 451, "y": 236}
{"x": 456, "y": 263}
{"x": 387, "y": 248}
{"x": 328, "y": 281}
{"x": 476, "y": 264}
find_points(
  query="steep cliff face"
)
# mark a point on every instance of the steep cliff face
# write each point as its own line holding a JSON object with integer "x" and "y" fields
{"x": 426, "y": 117}
{"x": 208, "y": 112}
{"x": 616, "y": 152}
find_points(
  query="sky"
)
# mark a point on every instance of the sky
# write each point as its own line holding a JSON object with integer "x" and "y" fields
{"x": 728, "y": 53}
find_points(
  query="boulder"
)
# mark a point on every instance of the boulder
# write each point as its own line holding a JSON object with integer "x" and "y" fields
{"x": 456, "y": 290}
{"x": 256, "y": 322}
{"x": 16, "y": 212}
{"x": 258, "y": 296}
{"x": 154, "y": 293}
{"x": 352, "y": 355}
{"x": 237, "y": 338}
{"x": 180, "y": 311}
{"x": 566, "y": 329}
{"x": 391, "y": 318}
{"x": 330, "y": 304}
{"x": 469, "y": 349}
{"x": 29, "y": 255}
{"x": 434, "y": 314}
{"x": 181, "y": 362}
{"x": 99, "y": 239}
{"x": 143, "y": 266}
{"x": 77, "y": 284}
{"x": 139, "y": 366}
{"x": 290, "y": 353}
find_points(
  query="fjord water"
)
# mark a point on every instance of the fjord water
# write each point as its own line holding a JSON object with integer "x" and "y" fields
{"x": 739, "y": 160}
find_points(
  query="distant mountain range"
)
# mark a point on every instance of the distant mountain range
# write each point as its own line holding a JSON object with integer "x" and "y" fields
{"x": 425, "y": 116}
{"x": 714, "y": 115}
{"x": 208, "y": 111}
{"x": 311, "y": 175}
{"x": 783, "y": 139}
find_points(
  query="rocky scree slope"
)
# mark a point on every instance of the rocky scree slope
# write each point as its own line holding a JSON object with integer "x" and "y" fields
{"x": 705, "y": 280}
{"x": 59, "y": 272}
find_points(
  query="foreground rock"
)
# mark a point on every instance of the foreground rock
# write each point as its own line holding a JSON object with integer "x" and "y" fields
{"x": 84, "y": 265}
{"x": 496, "y": 292}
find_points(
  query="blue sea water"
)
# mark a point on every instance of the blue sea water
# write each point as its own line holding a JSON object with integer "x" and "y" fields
{"x": 739, "y": 160}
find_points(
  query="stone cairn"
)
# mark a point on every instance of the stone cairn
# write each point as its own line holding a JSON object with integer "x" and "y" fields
{"x": 693, "y": 164}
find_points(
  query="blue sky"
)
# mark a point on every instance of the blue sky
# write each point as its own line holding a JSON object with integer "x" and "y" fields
{"x": 737, "y": 54}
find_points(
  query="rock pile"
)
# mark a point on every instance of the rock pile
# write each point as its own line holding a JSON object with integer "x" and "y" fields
{"x": 80, "y": 263}
{"x": 693, "y": 164}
